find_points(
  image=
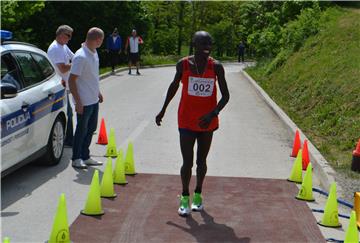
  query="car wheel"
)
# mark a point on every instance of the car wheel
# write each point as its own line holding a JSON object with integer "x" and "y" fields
{"x": 55, "y": 146}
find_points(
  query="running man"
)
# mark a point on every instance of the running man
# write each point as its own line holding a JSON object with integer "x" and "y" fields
{"x": 197, "y": 114}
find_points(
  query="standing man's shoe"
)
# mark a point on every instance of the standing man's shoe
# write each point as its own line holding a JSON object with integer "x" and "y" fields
{"x": 137, "y": 73}
{"x": 91, "y": 161}
{"x": 79, "y": 164}
{"x": 129, "y": 71}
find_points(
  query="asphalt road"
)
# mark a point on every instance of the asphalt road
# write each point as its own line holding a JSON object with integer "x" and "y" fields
{"x": 251, "y": 142}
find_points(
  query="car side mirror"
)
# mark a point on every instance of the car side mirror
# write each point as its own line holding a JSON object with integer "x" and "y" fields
{"x": 8, "y": 91}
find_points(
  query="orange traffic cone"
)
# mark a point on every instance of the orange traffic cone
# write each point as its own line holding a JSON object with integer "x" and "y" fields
{"x": 355, "y": 164}
{"x": 305, "y": 155}
{"x": 296, "y": 145}
{"x": 102, "y": 139}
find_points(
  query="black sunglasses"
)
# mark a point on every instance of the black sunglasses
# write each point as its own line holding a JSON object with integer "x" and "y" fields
{"x": 68, "y": 35}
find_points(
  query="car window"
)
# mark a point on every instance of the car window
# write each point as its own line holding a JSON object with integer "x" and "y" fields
{"x": 9, "y": 74}
{"x": 31, "y": 72}
{"x": 45, "y": 66}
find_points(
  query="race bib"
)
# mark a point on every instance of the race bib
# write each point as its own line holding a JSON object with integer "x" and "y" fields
{"x": 201, "y": 86}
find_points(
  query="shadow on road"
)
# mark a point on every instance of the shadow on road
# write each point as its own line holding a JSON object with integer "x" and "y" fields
{"x": 210, "y": 231}
{"x": 22, "y": 182}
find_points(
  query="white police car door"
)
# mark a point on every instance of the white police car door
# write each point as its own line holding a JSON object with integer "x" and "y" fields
{"x": 41, "y": 95}
{"x": 15, "y": 117}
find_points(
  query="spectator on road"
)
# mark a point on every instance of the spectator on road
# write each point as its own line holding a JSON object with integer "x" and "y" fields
{"x": 84, "y": 86}
{"x": 197, "y": 114}
{"x": 241, "y": 51}
{"x": 113, "y": 47}
{"x": 61, "y": 56}
{"x": 132, "y": 43}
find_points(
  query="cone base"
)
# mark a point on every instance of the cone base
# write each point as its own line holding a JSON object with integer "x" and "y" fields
{"x": 48, "y": 241}
{"x": 297, "y": 182}
{"x": 69, "y": 241}
{"x": 92, "y": 214}
{"x": 329, "y": 226}
{"x": 303, "y": 199}
{"x": 131, "y": 174}
{"x": 121, "y": 183}
{"x": 112, "y": 156}
{"x": 113, "y": 196}
{"x": 101, "y": 143}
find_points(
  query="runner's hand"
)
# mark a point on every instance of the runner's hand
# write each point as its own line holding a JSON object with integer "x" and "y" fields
{"x": 205, "y": 120}
{"x": 159, "y": 117}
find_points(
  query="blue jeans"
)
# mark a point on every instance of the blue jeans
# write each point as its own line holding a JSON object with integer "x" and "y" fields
{"x": 85, "y": 127}
{"x": 69, "y": 136}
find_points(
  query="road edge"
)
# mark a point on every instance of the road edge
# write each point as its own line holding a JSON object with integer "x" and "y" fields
{"x": 321, "y": 167}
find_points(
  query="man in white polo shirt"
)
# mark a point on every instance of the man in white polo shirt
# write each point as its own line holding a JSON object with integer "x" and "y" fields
{"x": 60, "y": 55}
{"x": 84, "y": 86}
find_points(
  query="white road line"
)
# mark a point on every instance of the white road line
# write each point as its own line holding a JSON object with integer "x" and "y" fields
{"x": 132, "y": 137}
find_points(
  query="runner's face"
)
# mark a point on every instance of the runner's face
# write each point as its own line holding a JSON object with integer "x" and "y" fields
{"x": 203, "y": 46}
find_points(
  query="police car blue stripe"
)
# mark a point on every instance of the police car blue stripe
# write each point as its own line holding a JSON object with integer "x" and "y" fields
{"x": 20, "y": 119}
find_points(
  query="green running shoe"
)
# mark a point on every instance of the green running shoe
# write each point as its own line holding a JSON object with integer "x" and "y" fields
{"x": 184, "y": 209}
{"x": 197, "y": 202}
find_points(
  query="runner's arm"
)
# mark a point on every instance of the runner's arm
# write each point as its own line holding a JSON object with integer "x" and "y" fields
{"x": 205, "y": 120}
{"x": 171, "y": 92}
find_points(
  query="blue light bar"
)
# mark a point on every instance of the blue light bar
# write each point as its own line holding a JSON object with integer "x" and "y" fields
{"x": 6, "y": 35}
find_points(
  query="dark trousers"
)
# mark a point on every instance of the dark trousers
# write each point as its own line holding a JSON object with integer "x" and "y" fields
{"x": 85, "y": 127}
{"x": 241, "y": 56}
{"x": 69, "y": 136}
{"x": 114, "y": 56}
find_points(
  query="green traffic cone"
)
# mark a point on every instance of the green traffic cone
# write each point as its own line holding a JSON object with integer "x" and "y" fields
{"x": 129, "y": 160}
{"x": 305, "y": 192}
{"x": 296, "y": 171}
{"x": 93, "y": 203}
{"x": 111, "y": 147}
{"x": 60, "y": 230}
{"x": 352, "y": 233}
{"x": 331, "y": 213}
{"x": 119, "y": 172}
{"x": 107, "y": 184}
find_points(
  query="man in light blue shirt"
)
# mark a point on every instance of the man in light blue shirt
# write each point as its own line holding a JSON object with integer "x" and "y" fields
{"x": 85, "y": 89}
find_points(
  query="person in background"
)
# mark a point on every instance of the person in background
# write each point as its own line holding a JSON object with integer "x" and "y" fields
{"x": 60, "y": 55}
{"x": 197, "y": 114}
{"x": 132, "y": 43}
{"x": 241, "y": 51}
{"x": 85, "y": 88}
{"x": 113, "y": 47}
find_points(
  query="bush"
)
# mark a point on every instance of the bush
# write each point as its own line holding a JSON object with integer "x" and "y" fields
{"x": 297, "y": 31}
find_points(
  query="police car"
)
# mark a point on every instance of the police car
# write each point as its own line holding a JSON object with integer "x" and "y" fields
{"x": 33, "y": 106}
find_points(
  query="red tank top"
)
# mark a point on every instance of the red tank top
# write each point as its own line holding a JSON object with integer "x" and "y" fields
{"x": 198, "y": 97}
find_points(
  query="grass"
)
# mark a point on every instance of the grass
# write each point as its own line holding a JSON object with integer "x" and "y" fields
{"x": 319, "y": 87}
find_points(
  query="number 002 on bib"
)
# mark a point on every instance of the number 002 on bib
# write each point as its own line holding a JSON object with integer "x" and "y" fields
{"x": 202, "y": 87}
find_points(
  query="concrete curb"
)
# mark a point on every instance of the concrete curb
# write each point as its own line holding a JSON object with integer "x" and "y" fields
{"x": 321, "y": 167}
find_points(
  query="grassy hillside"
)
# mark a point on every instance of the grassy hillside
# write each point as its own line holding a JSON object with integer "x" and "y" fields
{"x": 319, "y": 86}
